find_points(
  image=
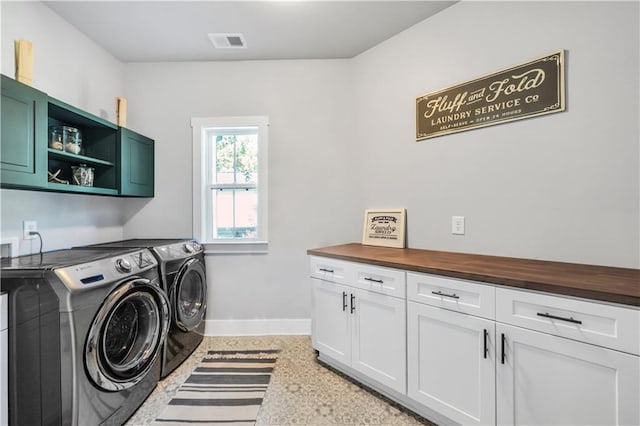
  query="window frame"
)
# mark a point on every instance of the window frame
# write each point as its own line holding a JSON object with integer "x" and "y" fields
{"x": 202, "y": 199}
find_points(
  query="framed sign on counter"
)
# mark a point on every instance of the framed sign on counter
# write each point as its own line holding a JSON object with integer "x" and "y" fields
{"x": 384, "y": 227}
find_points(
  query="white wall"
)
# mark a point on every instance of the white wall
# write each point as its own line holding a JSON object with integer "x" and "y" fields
{"x": 561, "y": 187}
{"x": 312, "y": 197}
{"x": 72, "y": 68}
{"x": 67, "y": 64}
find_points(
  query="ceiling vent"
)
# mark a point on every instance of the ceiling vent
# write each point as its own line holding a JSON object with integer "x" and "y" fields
{"x": 227, "y": 41}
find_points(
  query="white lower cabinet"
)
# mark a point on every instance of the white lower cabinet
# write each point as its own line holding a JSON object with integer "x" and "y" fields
{"x": 361, "y": 329}
{"x": 550, "y": 380}
{"x": 331, "y": 321}
{"x": 469, "y": 353}
{"x": 451, "y": 363}
{"x": 378, "y": 338}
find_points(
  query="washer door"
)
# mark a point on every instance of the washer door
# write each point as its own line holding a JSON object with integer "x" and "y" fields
{"x": 126, "y": 335}
{"x": 189, "y": 295}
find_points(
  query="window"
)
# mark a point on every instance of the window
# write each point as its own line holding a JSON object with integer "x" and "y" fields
{"x": 230, "y": 180}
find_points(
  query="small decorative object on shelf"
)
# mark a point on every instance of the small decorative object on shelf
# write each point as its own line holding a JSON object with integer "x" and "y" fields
{"x": 384, "y": 227}
{"x": 65, "y": 138}
{"x": 56, "y": 138}
{"x": 53, "y": 177}
{"x": 82, "y": 175}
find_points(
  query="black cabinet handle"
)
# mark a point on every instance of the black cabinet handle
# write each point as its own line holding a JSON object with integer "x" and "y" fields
{"x": 344, "y": 301}
{"x": 486, "y": 348}
{"x": 502, "y": 356}
{"x": 548, "y": 315}
{"x": 353, "y": 305}
{"x": 326, "y": 270}
{"x": 439, "y": 293}
{"x": 373, "y": 280}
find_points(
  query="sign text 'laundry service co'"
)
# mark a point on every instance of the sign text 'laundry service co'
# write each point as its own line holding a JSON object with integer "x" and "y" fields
{"x": 527, "y": 90}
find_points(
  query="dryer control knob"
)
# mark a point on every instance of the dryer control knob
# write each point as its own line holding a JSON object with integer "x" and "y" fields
{"x": 123, "y": 265}
{"x": 188, "y": 248}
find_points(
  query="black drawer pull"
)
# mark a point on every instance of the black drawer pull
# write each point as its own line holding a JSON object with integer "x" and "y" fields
{"x": 326, "y": 270}
{"x": 504, "y": 340}
{"x": 353, "y": 304}
{"x": 344, "y": 301}
{"x": 548, "y": 315}
{"x": 373, "y": 280}
{"x": 453, "y": 296}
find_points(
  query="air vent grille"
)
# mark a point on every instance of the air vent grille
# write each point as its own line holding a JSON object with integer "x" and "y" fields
{"x": 227, "y": 41}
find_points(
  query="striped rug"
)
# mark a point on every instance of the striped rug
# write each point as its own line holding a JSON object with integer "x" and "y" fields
{"x": 227, "y": 387}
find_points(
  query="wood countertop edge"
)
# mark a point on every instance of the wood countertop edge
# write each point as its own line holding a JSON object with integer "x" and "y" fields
{"x": 623, "y": 298}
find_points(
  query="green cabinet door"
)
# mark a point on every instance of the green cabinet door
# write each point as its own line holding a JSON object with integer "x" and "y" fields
{"x": 136, "y": 164}
{"x": 23, "y": 136}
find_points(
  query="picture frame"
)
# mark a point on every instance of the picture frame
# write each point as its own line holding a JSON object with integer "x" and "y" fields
{"x": 384, "y": 227}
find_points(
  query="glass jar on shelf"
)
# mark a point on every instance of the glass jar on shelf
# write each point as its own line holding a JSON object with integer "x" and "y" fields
{"x": 65, "y": 138}
{"x": 56, "y": 138}
{"x": 82, "y": 175}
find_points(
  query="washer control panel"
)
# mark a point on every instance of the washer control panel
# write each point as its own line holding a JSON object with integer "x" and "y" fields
{"x": 105, "y": 271}
{"x": 192, "y": 247}
{"x": 181, "y": 250}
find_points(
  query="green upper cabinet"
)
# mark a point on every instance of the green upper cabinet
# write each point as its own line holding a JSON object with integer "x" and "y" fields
{"x": 136, "y": 164}
{"x": 23, "y": 139}
{"x": 99, "y": 158}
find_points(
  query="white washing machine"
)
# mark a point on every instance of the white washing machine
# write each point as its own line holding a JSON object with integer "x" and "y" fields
{"x": 95, "y": 358}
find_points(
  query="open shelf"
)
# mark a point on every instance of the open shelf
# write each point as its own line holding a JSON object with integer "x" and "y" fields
{"x": 61, "y": 187}
{"x": 78, "y": 159}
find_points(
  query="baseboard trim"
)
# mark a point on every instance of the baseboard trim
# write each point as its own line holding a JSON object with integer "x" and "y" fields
{"x": 259, "y": 327}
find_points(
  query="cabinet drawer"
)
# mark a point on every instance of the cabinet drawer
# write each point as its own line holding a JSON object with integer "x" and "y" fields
{"x": 451, "y": 293}
{"x": 380, "y": 280}
{"x": 611, "y": 326}
{"x": 327, "y": 269}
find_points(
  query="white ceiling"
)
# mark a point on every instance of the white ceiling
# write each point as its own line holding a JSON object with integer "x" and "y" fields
{"x": 154, "y": 31}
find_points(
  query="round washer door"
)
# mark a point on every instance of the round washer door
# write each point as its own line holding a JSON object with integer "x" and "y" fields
{"x": 126, "y": 335}
{"x": 189, "y": 295}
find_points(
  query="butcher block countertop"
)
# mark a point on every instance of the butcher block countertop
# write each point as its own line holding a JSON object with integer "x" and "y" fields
{"x": 609, "y": 284}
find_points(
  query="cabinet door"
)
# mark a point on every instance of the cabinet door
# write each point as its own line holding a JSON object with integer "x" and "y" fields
{"x": 331, "y": 325}
{"x": 136, "y": 164}
{"x": 451, "y": 364}
{"x": 379, "y": 338}
{"x": 549, "y": 380}
{"x": 23, "y": 139}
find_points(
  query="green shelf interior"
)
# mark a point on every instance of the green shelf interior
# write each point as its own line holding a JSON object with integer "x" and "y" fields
{"x": 78, "y": 159}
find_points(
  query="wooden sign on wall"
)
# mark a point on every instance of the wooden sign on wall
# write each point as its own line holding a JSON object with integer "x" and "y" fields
{"x": 527, "y": 90}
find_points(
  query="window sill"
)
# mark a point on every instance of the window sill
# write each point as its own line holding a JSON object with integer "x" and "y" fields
{"x": 235, "y": 247}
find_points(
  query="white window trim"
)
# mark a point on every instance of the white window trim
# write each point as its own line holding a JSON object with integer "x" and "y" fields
{"x": 199, "y": 128}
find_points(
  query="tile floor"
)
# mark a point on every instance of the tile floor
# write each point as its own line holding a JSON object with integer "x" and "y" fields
{"x": 301, "y": 392}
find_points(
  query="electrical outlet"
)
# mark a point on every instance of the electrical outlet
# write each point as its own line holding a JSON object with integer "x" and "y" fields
{"x": 457, "y": 225}
{"x": 27, "y": 227}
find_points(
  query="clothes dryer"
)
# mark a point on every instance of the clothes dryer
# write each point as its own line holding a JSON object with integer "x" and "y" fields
{"x": 183, "y": 277}
{"x": 87, "y": 328}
